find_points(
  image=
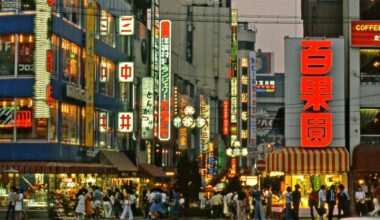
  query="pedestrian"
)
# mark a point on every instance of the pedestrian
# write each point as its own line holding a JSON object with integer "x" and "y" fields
{"x": 322, "y": 201}
{"x": 133, "y": 200}
{"x": 11, "y": 203}
{"x": 268, "y": 196}
{"x": 127, "y": 207}
{"x": 217, "y": 202}
{"x": 342, "y": 201}
{"x": 361, "y": 208}
{"x": 313, "y": 201}
{"x": 118, "y": 202}
{"x": 376, "y": 205}
{"x": 107, "y": 204}
{"x": 296, "y": 200}
{"x": 98, "y": 197}
{"x": 157, "y": 208}
{"x": 288, "y": 203}
{"x": 19, "y": 203}
{"x": 258, "y": 197}
{"x": 174, "y": 204}
{"x": 145, "y": 203}
{"x": 240, "y": 204}
{"x": 88, "y": 208}
{"x": 80, "y": 210}
{"x": 331, "y": 201}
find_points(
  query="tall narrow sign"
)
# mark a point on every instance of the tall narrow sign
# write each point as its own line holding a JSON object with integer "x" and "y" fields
{"x": 252, "y": 87}
{"x": 147, "y": 107}
{"x": 164, "y": 93}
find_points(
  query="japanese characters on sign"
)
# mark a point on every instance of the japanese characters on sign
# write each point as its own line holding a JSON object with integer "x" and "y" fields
{"x": 226, "y": 122}
{"x": 49, "y": 94}
{"x": 233, "y": 74}
{"x": 316, "y": 92}
{"x": 365, "y": 34}
{"x": 103, "y": 122}
{"x": 243, "y": 121}
{"x": 103, "y": 75}
{"x": 126, "y": 72}
{"x": 104, "y": 25}
{"x": 204, "y": 104}
{"x": 125, "y": 122}
{"x": 147, "y": 108}
{"x": 266, "y": 86}
{"x": 126, "y": 25}
{"x": 164, "y": 93}
{"x": 252, "y": 91}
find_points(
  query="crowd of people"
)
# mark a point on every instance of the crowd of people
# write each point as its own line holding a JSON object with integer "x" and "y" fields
{"x": 15, "y": 208}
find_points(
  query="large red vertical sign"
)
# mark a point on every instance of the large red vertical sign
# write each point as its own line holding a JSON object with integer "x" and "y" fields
{"x": 316, "y": 92}
{"x": 226, "y": 121}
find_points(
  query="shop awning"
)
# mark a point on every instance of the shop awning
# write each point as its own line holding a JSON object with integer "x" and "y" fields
{"x": 55, "y": 167}
{"x": 295, "y": 160}
{"x": 152, "y": 171}
{"x": 119, "y": 160}
{"x": 366, "y": 158}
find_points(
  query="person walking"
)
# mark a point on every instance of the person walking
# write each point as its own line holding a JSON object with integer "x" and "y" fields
{"x": 296, "y": 200}
{"x": 342, "y": 201}
{"x": 107, "y": 204}
{"x": 361, "y": 208}
{"x": 11, "y": 204}
{"x": 331, "y": 201}
{"x": 127, "y": 207}
{"x": 98, "y": 197}
{"x": 217, "y": 202}
{"x": 240, "y": 205}
{"x": 288, "y": 203}
{"x": 313, "y": 202}
{"x": 118, "y": 203}
{"x": 322, "y": 201}
{"x": 258, "y": 197}
{"x": 268, "y": 196}
{"x": 80, "y": 210}
{"x": 19, "y": 204}
{"x": 88, "y": 208}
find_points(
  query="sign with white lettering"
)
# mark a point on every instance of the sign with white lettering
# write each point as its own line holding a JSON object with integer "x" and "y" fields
{"x": 103, "y": 122}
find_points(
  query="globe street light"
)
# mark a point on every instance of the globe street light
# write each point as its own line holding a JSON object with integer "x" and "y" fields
{"x": 236, "y": 151}
{"x": 188, "y": 120}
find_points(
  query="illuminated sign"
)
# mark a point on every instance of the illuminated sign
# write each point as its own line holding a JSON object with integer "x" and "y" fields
{"x": 226, "y": 122}
{"x": 49, "y": 61}
{"x": 316, "y": 92}
{"x": 244, "y": 89}
{"x": 233, "y": 74}
{"x": 125, "y": 122}
{"x": 164, "y": 93}
{"x": 103, "y": 76}
{"x": 126, "y": 71}
{"x": 103, "y": 122}
{"x": 365, "y": 34}
{"x": 182, "y": 138}
{"x": 205, "y": 113}
{"x": 49, "y": 95}
{"x": 43, "y": 45}
{"x": 147, "y": 108}
{"x": 23, "y": 118}
{"x": 252, "y": 91}
{"x": 183, "y": 131}
{"x": 10, "y": 5}
{"x": 104, "y": 24}
{"x": 75, "y": 92}
{"x": 266, "y": 86}
{"x": 126, "y": 25}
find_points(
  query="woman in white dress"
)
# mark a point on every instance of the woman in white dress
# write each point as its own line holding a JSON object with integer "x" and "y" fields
{"x": 18, "y": 205}
{"x": 80, "y": 210}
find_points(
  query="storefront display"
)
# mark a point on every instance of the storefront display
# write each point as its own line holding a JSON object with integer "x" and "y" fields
{"x": 71, "y": 61}
{"x": 7, "y": 54}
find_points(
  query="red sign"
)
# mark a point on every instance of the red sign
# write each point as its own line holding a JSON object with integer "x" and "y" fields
{"x": 232, "y": 170}
{"x": 49, "y": 61}
{"x": 260, "y": 165}
{"x": 49, "y": 94}
{"x": 126, "y": 72}
{"x": 50, "y": 3}
{"x": 365, "y": 34}
{"x": 316, "y": 91}
{"x": 164, "y": 122}
{"x": 226, "y": 122}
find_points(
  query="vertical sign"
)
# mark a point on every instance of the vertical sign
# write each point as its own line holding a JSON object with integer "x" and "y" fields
{"x": 205, "y": 113}
{"x": 125, "y": 122}
{"x": 244, "y": 81}
{"x": 89, "y": 67}
{"x": 252, "y": 87}
{"x": 155, "y": 48}
{"x": 233, "y": 85}
{"x": 126, "y": 25}
{"x": 43, "y": 45}
{"x": 316, "y": 92}
{"x": 225, "y": 116}
{"x": 126, "y": 72}
{"x": 164, "y": 90}
{"x": 147, "y": 108}
{"x": 182, "y": 135}
{"x": 103, "y": 122}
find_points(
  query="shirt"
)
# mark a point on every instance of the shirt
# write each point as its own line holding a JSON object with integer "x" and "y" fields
{"x": 11, "y": 197}
{"x": 322, "y": 196}
{"x": 288, "y": 198}
{"x": 360, "y": 196}
{"x": 217, "y": 199}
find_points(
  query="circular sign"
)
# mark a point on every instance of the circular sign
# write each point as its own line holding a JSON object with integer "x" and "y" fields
{"x": 260, "y": 165}
{"x": 189, "y": 110}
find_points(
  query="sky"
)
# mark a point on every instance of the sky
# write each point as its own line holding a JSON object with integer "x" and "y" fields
{"x": 273, "y": 19}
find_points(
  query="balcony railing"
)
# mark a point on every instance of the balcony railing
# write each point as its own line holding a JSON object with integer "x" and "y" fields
{"x": 370, "y": 139}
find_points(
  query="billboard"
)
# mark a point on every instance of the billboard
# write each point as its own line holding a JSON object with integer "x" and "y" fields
{"x": 252, "y": 91}
{"x": 147, "y": 108}
{"x": 365, "y": 34}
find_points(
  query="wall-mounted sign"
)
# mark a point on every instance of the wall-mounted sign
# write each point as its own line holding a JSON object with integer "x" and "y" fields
{"x": 49, "y": 95}
{"x": 182, "y": 141}
{"x": 75, "y": 92}
{"x": 252, "y": 92}
{"x": 104, "y": 73}
{"x": 266, "y": 86}
{"x": 126, "y": 72}
{"x": 233, "y": 74}
{"x": 103, "y": 122}
{"x": 10, "y": 5}
{"x": 23, "y": 118}
{"x": 204, "y": 105}
{"x": 125, "y": 122}
{"x": 243, "y": 101}
{"x": 49, "y": 61}
{"x": 43, "y": 45}
{"x": 164, "y": 93}
{"x": 225, "y": 115}
{"x": 316, "y": 92}
{"x": 126, "y": 25}
{"x": 147, "y": 108}
{"x": 365, "y": 34}
{"x": 104, "y": 25}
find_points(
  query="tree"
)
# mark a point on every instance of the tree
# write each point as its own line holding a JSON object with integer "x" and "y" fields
{"x": 188, "y": 179}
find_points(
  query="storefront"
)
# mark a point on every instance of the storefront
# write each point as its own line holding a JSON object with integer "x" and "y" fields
{"x": 309, "y": 168}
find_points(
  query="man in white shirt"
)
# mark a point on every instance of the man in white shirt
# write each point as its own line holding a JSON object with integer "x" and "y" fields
{"x": 217, "y": 201}
{"x": 322, "y": 201}
{"x": 360, "y": 202}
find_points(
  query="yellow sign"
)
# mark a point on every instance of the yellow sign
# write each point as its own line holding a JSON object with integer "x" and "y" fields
{"x": 90, "y": 48}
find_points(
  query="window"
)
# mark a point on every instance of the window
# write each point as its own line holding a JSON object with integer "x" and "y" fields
{"x": 369, "y": 10}
{"x": 7, "y": 54}
{"x": 70, "y": 123}
{"x": 106, "y": 77}
{"x": 107, "y": 28}
{"x": 55, "y": 51}
{"x": 370, "y": 121}
{"x": 71, "y": 61}
{"x": 71, "y": 11}
{"x": 10, "y": 6}
{"x": 26, "y": 48}
{"x": 369, "y": 66}
{"x": 104, "y": 128}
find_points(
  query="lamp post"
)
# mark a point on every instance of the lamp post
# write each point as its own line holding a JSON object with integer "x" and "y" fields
{"x": 235, "y": 151}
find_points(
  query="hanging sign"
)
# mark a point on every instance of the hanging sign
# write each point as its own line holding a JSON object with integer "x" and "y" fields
{"x": 125, "y": 122}
{"x": 103, "y": 122}
{"x": 126, "y": 25}
{"x": 126, "y": 72}
{"x": 147, "y": 108}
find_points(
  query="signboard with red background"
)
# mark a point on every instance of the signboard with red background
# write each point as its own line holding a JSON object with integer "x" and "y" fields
{"x": 365, "y": 34}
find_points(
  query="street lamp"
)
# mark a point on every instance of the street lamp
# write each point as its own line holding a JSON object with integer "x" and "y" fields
{"x": 236, "y": 151}
{"x": 188, "y": 120}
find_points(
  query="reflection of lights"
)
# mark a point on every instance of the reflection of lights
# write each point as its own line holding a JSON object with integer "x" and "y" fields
{"x": 189, "y": 110}
{"x": 361, "y": 181}
{"x": 376, "y": 64}
{"x": 244, "y": 152}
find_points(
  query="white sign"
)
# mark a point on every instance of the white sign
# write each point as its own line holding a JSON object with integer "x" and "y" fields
{"x": 205, "y": 113}
{"x": 103, "y": 121}
{"x": 147, "y": 107}
{"x": 126, "y": 72}
{"x": 126, "y": 25}
{"x": 103, "y": 76}
{"x": 104, "y": 25}
{"x": 125, "y": 122}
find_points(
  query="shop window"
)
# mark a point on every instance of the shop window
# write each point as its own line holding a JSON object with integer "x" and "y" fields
{"x": 122, "y": 91}
{"x": 70, "y": 123}
{"x": 369, "y": 121}
{"x": 71, "y": 11}
{"x": 370, "y": 66}
{"x": 26, "y": 46}
{"x": 7, "y": 54}
{"x": 71, "y": 61}
{"x": 369, "y": 10}
{"x": 106, "y": 77}
{"x": 11, "y": 6}
{"x": 107, "y": 27}
{"x": 55, "y": 50}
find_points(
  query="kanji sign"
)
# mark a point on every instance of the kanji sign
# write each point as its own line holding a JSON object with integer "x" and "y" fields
{"x": 126, "y": 72}
{"x": 104, "y": 25}
{"x": 164, "y": 93}
{"x": 316, "y": 92}
{"x": 126, "y": 25}
{"x": 226, "y": 121}
{"x": 103, "y": 122}
{"x": 103, "y": 75}
{"x": 147, "y": 108}
{"x": 125, "y": 122}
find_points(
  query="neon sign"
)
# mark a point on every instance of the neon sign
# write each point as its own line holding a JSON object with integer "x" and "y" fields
{"x": 226, "y": 121}
{"x": 316, "y": 92}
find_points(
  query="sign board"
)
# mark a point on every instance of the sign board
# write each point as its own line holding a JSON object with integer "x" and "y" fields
{"x": 75, "y": 92}
{"x": 365, "y": 34}
{"x": 126, "y": 25}
{"x": 147, "y": 107}
{"x": 103, "y": 122}
{"x": 126, "y": 72}
{"x": 260, "y": 165}
{"x": 125, "y": 122}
